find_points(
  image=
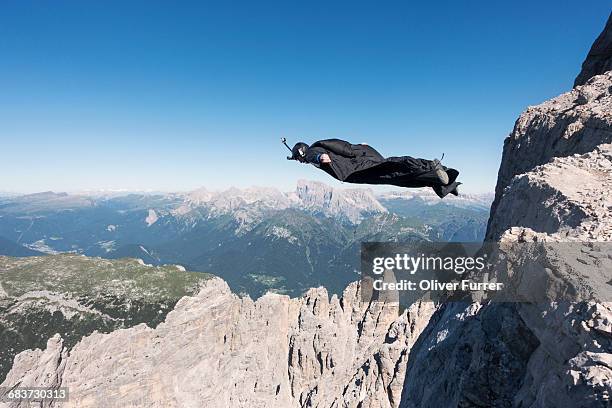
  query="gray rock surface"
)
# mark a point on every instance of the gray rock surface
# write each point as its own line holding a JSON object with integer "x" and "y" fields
{"x": 74, "y": 295}
{"x": 573, "y": 123}
{"x": 554, "y": 186}
{"x": 219, "y": 350}
{"x": 569, "y": 198}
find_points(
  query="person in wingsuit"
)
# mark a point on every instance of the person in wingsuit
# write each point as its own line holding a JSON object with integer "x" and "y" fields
{"x": 362, "y": 164}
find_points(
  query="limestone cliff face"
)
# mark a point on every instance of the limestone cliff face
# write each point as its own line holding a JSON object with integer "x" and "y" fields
{"x": 555, "y": 170}
{"x": 555, "y": 185}
{"x": 218, "y": 350}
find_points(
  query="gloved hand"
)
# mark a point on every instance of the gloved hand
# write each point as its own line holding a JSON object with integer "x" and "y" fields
{"x": 324, "y": 159}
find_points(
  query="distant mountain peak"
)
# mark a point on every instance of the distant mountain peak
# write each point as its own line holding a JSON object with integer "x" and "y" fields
{"x": 352, "y": 203}
{"x": 45, "y": 195}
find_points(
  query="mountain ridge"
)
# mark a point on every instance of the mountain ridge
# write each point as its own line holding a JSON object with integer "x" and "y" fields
{"x": 308, "y": 235}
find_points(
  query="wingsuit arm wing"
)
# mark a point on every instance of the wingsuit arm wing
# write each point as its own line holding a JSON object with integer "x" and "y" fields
{"x": 336, "y": 146}
{"x": 313, "y": 153}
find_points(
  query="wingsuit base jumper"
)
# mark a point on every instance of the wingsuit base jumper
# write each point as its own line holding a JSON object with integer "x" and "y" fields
{"x": 362, "y": 164}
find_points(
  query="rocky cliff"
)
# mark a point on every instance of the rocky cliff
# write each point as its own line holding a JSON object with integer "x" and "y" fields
{"x": 219, "y": 350}
{"x": 554, "y": 185}
{"x": 75, "y": 295}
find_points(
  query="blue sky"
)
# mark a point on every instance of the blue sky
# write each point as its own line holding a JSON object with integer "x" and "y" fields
{"x": 177, "y": 95}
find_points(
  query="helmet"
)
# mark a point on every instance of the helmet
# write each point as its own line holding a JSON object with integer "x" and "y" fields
{"x": 299, "y": 151}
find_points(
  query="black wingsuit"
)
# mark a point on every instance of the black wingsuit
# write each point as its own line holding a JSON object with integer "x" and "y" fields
{"x": 362, "y": 164}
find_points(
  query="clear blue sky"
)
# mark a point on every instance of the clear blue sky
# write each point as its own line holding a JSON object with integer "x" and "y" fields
{"x": 177, "y": 95}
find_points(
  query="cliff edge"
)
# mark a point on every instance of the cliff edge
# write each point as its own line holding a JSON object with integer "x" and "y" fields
{"x": 554, "y": 186}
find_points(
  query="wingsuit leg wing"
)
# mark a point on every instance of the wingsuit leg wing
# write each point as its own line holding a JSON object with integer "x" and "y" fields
{"x": 403, "y": 171}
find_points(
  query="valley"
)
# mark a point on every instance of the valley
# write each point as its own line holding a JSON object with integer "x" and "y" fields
{"x": 257, "y": 239}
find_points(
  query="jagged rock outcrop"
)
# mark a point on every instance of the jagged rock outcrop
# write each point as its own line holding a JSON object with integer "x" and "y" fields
{"x": 573, "y": 123}
{"x": 219, "y": 350}
{"x": 74, "y": 295}
{"x": 599, "y": 59}
{"x": 554, "y": 185}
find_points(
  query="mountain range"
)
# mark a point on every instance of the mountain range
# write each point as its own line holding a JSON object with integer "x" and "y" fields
{"x": 258, "y": 239}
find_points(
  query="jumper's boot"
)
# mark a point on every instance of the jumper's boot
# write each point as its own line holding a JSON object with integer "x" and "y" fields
{"x": 436, "y": 174}
{"x": 455, "y": 192}
{"x": 443, "y": 191}
{"x": 441, "y": 173}
{"x": 452, "y": 174}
